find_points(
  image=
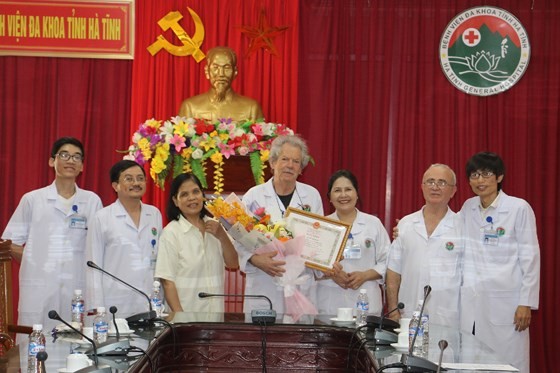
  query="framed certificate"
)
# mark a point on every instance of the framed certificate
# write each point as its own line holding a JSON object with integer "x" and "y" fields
{"x": 325, "y": 239}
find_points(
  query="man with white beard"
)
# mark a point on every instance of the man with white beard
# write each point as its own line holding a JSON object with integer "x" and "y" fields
{"x": 221, "y": 101}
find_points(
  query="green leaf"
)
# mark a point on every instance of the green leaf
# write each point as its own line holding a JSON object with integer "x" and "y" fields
{"x": 198, "y": 171}
{"x": 256, "y": 166}
{"x": 209, "y": 153}
{"x": 178, "y": 163}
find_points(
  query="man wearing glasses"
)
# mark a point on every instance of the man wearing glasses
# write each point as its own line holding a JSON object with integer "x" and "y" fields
{"x": 48, "y": 233}
{"x": 502, "y": 263}
{"x": 123, "y": 239}
{"x": 428, "y": 251}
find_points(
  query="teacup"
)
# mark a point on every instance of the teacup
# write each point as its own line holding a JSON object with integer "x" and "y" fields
{"x": 344, "y": 314}
{"x": 88, "y": 331}
{"x": 122, "y": 324}
{"x": 77, "y": 361}
{"x": 403, "y": 338}
{"x": 404, "y": 324}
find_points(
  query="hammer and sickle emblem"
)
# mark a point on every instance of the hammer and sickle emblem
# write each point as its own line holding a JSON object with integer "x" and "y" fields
{"x": 191, "y": 46}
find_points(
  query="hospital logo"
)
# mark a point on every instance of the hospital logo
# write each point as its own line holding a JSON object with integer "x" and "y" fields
{"x": 484, "y": 51}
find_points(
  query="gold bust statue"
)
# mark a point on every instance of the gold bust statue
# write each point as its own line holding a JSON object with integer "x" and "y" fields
{"x": 220, "y": 101}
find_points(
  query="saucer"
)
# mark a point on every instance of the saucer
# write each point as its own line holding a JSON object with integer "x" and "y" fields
{"x": 66, "y": 370}
{"x": 342, "y": 322}
{"x": 400, "y": 348}
{"x": 82, "y": 342}
{"x": 113, "y": 333}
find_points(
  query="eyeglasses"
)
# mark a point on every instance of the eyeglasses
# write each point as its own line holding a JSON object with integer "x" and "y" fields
{"x": 128, "y": 179}
{"x": 440, "y": 183}
{"x": 477, "y": 174}
{"x": 65, "y": 156}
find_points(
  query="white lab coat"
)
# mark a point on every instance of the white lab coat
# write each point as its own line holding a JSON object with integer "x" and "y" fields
{"x": 369, "y": 233}
{"x": 499, "y": 278}
{"x": 257, "y": 281}
{"x": 128, "y": 252}
{"x": 53, "y": 262}
{"x": 434, "y": 261}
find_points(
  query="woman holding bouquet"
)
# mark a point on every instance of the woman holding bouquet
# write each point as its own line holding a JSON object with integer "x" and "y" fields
{"x": 288, "y": 157}
{"x": 364, "y": 257}
{"x": 193, "y": 250}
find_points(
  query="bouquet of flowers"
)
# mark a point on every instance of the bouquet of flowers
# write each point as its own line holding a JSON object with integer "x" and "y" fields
{"x": 252, "y": 229}
{"x": 182, "y": 144}
{"x": 256, "y": 233}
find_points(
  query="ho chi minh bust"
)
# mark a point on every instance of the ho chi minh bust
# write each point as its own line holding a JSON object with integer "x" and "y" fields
{"x": 221, "y": 101}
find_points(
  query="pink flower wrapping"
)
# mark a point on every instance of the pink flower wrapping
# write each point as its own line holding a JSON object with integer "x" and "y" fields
{"x": 295, "y": 302}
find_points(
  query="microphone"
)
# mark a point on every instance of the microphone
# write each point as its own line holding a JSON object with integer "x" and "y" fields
{"x": 140, "y": 318}
{"x": 53, "y": 315}
{"x": 442, "y": 344}
{"x": 113, "y": 310}
{"x": 257, "y": 316}
{"x": 416, "y": 363}
{"x": 385, "y": 337}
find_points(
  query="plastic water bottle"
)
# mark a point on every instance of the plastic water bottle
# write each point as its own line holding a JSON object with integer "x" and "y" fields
{"x": 362, "y": 308}
{"x": 157, "y": 302}
{"x": 37, "y": 343}
{"x": 415, "y": 323}
{"x": 78, "y": 309}
{"x": 100, "y": 326}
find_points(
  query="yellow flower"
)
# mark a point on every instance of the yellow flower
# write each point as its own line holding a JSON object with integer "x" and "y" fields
{"x": 144, "y": 146}
{"x": 224, "y": 137}
{"x": 208, "y": 144}
{"x": 186, "y": 153}
{"x": 233, "y": 213}
{"x": 153, "y": 123}
{"x": 216, "y": 157}
{"x": 264, "y": 155}
{"x": 181, "y": 128}
{"x": 162, "y": 151}
{"x": 261, "y": 228}
{"x": 158, "y": 165}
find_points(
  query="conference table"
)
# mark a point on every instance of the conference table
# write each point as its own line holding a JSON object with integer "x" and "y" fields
{"x": 230, "y": 342}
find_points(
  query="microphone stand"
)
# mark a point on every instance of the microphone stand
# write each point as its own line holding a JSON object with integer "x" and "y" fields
{"x": 53, "y": 315}
{"x": 416, "y": 363}
{"x": 257, "y": 316}
{"x": 144, "y": 318}
{"x": 113, "y": 310}
{"x": 41, "y": 358}
{"x": 385, "y": 337}
{"x": 376, "y": 321}
{"x": 442, "y": 344}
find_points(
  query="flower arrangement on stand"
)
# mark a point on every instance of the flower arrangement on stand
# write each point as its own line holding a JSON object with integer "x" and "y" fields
{"x": 180, "y": 144}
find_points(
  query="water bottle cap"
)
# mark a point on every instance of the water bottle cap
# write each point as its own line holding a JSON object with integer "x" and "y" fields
{"x": 100, "y": 310}
{"x": 78, "y": 292}
{"x": 157, "y": 284}
{"x": 363, "y": 291}
{"x": 37, "y": 326}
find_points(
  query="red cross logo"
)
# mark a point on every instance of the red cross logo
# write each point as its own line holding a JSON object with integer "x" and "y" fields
{"x": 471, "y": 37}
